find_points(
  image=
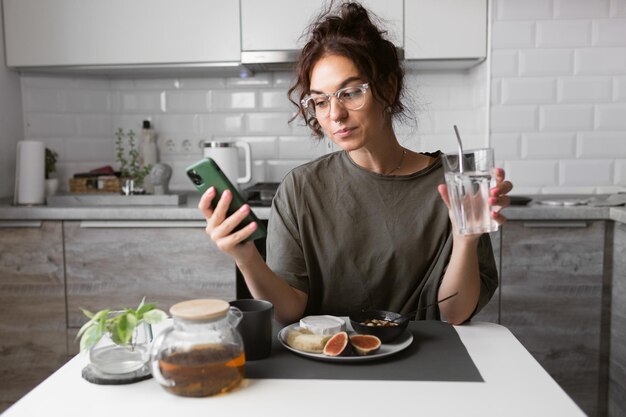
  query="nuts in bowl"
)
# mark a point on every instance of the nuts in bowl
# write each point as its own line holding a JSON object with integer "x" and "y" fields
{"x": 386, "y": 325}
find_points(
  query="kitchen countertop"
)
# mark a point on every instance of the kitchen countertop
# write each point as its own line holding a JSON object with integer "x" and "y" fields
{"x": 189, "y": 211}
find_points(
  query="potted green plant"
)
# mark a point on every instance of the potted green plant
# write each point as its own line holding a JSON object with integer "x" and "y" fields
{"x": 52, "y": 183}
{"x": 118, "y": 341}
{"x": 127, "y": 155}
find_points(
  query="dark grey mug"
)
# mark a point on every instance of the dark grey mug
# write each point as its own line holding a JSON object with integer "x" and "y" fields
{"x": 255, "y": 327}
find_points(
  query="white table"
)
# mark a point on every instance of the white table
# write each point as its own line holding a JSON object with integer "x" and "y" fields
{"x": 515, "y": 385}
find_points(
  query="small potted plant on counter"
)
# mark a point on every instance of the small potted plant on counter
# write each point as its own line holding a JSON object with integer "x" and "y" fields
{"x": 52, "y": 183}
{"x": 118, "y": 341}
{"x": 132, "y": 172}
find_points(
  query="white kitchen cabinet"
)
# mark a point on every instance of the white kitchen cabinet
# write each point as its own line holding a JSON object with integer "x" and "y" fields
{"x": 446, "y": 30}
{"x": 119, "y": 32}
{"x": 278, "y": 25}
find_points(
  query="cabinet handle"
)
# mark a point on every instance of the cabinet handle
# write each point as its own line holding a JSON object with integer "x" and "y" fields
{"x": 35, "y": 224}
{"x": 557, "y": 224}
{"x": 142, "y": 224}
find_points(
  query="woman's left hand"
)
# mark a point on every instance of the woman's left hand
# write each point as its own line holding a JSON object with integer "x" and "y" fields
{"x": 498, "y": 198}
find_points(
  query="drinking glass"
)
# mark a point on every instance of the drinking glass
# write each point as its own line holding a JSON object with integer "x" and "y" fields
{"x": 468, "y": 189}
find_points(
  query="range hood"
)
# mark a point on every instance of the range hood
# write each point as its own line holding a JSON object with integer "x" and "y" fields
{"x": 263, "y": 61}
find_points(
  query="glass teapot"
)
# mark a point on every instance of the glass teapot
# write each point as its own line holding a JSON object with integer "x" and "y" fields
{"x": 202, "y": 353}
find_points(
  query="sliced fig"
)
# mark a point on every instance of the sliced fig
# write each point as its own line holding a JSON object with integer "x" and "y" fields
{"x": 338, "y": 345}
{"x": 365, "y": 344}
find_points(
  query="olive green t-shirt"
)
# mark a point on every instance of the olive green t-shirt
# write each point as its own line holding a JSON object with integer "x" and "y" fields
{"x": 353, "y": 239}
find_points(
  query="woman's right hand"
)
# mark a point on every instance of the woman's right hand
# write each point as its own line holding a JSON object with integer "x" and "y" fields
{"x": 220, "y": 228}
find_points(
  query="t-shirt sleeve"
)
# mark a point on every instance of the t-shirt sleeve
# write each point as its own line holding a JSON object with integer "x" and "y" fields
{"x": 488, "y": 272}
{"x": 284, "y": 247}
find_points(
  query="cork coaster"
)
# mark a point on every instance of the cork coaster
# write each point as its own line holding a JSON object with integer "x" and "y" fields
{"x": 93, "y": 375}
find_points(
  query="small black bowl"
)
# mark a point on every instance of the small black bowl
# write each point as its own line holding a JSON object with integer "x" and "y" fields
{"x": 385, "y": 334}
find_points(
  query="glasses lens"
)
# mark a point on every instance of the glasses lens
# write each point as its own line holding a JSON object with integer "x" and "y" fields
{"x": 352, "y": 97}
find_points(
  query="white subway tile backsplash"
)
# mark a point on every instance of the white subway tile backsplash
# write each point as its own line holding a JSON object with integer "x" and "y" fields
{"x": 619, "y": 88}
{"x": 202, "y": 83}
{"x": 523, "y": 10}
{"x": 528, "y": 90}
{"x": 87, "y": 101}
{"x": 574, "y": 173}
{"x": 513, "y": 119}
{"x": 80, "y": 150}
{"x": 568, "y": 118}
{"x": 620, "y": 172}
{"x": 94, "y": 125}
{"x": 507, "y": 34}
{"x": 504, "y": 63}
{"x": 257, "y": 80}
{"x": 276, "y": 100}
{"x": 268, "y": 123}
{"x": 38, "y": 100}
{"x": 605, "y": 61}
{"x": 532, "y": 173}
{"x": 563, "y": 33}
{"x": 47, "y": 81}
{"x": 467, "y": 121}
{"x": 601, "y": 145}
{"x": 299, "y": 147}
{"x": 609, "y": 32}
{"x": 548, "y": 145}
{"x": 618, "y": 8}
{"x": 546, "y": 62}
{"x": 284, "y": 79}
{"x": 156, "y": 83}
{"x": 188, "y": 101}
{"x": 433, "y": 97}
{"x": 581, "y": 8}
{"x": 44, "y": 125}
{"x": 506, "y": 146}
{"x": 221, "y": 123}
{"x": 141, "y": 102}
{"x": 277, "y": 169}
{"x": 611, "y": 117}
{"x": 225, "y": 100}
{"x": 496, "y": 91}
{"x": 584, "y": 89}
{"x": 173, "y": 125}
{"x": 261, "y": 147}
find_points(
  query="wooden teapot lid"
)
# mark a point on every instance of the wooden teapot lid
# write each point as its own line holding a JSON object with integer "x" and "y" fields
{"x": 202, "y": 309}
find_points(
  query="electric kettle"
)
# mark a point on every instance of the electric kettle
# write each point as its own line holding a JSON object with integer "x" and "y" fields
{"x": 226, "y": 154}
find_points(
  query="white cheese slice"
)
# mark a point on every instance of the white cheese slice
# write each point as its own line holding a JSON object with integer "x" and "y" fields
{"x": 324, "y": 325}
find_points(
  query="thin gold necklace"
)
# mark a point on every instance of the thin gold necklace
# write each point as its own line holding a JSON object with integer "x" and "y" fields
{"x": 399, "y": 164}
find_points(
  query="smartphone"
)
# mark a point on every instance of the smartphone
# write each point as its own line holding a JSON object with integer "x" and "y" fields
{"x": 206, "y": 173}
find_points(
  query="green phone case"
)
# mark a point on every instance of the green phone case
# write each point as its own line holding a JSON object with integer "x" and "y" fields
{"x": 206, "y": 173}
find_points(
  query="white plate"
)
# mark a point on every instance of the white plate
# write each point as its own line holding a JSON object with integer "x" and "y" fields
{"x": 386, "y": 349}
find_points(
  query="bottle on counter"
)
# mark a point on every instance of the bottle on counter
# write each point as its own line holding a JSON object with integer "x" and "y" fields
{"x": 148, "y": 152}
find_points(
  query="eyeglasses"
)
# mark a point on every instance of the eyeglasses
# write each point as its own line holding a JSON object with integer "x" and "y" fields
{"x": 352, "y": 98}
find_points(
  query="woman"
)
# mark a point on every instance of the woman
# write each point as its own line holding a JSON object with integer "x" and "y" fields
{"x": 368, "y": 226}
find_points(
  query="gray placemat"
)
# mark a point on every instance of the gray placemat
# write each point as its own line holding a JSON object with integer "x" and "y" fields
{"x": 436, "y": 354}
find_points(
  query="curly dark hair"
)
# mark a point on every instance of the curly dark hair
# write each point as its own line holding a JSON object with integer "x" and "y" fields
{"x": 347, "y": 30}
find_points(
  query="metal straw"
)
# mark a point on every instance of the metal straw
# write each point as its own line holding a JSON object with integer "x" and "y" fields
{"x": 458, "y": 139}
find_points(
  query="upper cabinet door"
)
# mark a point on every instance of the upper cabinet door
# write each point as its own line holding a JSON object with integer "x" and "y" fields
{"x": 445, "y": 29}
{"x": 278, "y": 25}
{"x": 120, "y": 32}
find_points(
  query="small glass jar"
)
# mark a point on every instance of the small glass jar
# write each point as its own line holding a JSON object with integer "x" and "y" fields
{"x": 112, "y": 358}
{"x": 202, "y": 353}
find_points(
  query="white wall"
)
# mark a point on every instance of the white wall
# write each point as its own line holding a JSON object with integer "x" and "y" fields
{"x": 10, "y": 121}
{"x": 558, "y": 103}
{"x": 77, "y": 117}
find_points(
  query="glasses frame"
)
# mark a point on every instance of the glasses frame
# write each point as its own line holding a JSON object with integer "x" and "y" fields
{"x": 306, "y": 100}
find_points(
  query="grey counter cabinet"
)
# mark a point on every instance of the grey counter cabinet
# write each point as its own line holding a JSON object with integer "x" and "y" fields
{"x": 617, "y": 364}
{"x": 114, "y": 264}
{"x": 32, "y": 306}
{"x": 552, "y": 288}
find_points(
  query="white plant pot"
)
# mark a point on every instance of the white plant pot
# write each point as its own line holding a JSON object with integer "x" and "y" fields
{"x": 52, "y": 186}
